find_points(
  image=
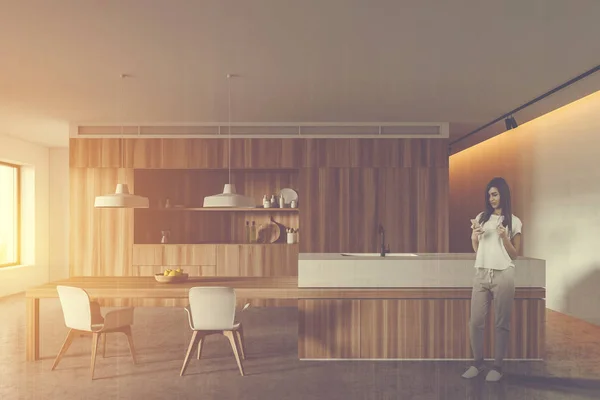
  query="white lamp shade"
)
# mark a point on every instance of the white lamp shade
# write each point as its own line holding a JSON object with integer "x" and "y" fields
{"x": 121, "y": 199}
{"x": 229, "y": 198}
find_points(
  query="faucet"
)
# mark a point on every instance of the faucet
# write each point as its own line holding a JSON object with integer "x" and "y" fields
{"x": 383, "y": 250}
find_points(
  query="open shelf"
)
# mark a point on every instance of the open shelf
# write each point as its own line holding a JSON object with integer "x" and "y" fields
{"x": 230, "y": 209}
{"x": 190, "y": 223}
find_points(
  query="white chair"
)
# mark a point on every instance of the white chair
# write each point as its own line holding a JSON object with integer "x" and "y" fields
{"x": 211, "y": 311}
{"x": 83, "y": 317}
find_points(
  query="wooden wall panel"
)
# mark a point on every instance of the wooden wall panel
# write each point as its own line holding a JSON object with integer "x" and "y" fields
{"x": 331, "y": 153}
{"x": 258, "y": 153}
{"x": 343, "y": 207}
{"x": 430, "y": 209}
{"x": 339, "y": 209}
{"x": 101, "y": 239}
{"x": 143, "y": 153}
{"x": 96, "y": 153}
{"x": 85, "y": 153}
{"x": 328, "y": 328}
{"x": 273, "y": 153}
{"x": 176, "y": 153}
{"x": 208, "y": 153}
{"x": 381, "y": 153}
{"x": 346, "y": 188}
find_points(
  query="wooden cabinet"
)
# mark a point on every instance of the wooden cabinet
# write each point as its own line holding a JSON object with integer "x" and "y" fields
{"x": 257, "y": 259}
{"x": 196, "y": 260}
{"x": 189, "y": 254}
{"x": 148, "y": 254}
{"x": 217, "y": 259}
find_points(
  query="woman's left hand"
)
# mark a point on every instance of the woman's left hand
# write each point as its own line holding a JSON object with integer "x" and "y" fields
{"x": 502, "y": 232}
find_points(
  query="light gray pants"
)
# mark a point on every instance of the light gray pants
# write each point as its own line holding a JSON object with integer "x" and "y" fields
{"x": 498, "y": 285}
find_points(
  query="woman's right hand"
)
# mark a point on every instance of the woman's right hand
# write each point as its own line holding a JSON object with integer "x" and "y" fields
{"x": 477, "y": 230}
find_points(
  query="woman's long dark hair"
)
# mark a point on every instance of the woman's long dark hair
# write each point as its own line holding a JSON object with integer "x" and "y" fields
{"x": 504, "y": 191}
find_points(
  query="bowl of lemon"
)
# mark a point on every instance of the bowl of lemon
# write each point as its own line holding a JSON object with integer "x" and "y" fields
{"x": 171, "y": 276}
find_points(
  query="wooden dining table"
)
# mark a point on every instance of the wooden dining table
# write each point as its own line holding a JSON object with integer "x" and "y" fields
{"x": 146, "y": 287}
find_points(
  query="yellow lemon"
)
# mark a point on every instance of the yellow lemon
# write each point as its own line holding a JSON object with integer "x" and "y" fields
{"x": 166, "y": 273}
{"x": 172, "y": 273}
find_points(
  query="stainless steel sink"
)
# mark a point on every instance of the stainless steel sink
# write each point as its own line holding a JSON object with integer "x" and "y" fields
{"x": 379, "y": 255}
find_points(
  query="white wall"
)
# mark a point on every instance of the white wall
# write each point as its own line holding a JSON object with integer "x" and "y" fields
{"x": 59, "y": 213}
{"x": 565, "y": 205}
{"x": 552, "y": 165}
{"x": 35, "y": 222}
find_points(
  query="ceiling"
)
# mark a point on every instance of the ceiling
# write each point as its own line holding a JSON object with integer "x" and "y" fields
{"x": 465, "y": 62}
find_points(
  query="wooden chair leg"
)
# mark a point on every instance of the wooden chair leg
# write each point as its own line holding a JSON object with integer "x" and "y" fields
{"x": 104, "y": 345}
{"x": 240, "y": 342}
{"x": 68, "y": 340}
{"x": 95, "y": 341}
{"x": 234, "y": 347}
{"x": 195, "y": 337}
{"x": 127, "y": 332}
{"x": 200, "y": 341}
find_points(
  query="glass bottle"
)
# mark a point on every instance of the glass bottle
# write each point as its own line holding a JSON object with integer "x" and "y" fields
{"x": 253, "y": 233}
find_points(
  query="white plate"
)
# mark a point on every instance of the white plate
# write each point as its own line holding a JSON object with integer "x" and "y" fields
{"x": 288, "y": 195}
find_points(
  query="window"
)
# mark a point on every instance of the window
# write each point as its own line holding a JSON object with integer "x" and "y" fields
{"x": 9, "y": 214}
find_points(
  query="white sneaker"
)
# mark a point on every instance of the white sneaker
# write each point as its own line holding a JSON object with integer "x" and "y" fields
{"x": 493, "y": 376}
{"x": 472, "y": 372}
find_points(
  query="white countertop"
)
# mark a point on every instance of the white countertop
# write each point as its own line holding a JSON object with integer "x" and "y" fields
{"x": 335, "y": 270}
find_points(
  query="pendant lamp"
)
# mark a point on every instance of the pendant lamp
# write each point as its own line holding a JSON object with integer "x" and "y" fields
{"x": 121, "y": 198}
{"x": 229, "y": 198}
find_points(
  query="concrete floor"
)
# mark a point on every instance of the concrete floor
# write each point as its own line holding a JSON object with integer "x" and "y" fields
{"x": 161, "y": 335}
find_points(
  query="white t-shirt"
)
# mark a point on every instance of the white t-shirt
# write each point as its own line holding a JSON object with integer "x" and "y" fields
{"x": 491, "y": 252}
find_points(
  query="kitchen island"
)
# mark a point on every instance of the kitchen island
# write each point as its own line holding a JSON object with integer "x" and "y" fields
{"x": 408, "y": 307}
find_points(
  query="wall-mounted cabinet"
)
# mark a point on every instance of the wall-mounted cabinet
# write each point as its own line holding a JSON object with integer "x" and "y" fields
{"x": 189, "y": 223}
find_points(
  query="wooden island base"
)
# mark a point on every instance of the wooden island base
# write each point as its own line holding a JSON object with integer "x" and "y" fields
{"x": 412, "y": 324}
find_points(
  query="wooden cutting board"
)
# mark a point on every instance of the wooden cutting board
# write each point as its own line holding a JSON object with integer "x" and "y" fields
{"x": 268, "y": 232}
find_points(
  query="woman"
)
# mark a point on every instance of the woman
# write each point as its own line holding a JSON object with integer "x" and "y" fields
{"x": 496, "y": 238}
